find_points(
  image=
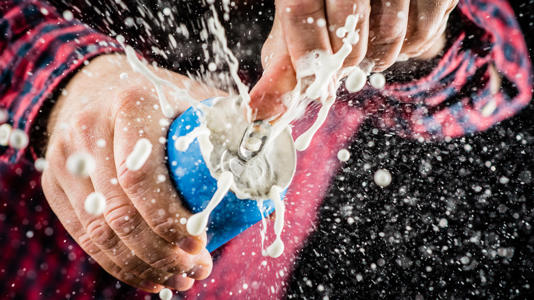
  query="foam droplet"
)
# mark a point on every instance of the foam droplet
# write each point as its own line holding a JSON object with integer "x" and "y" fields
{"x": 356, "y": 80}
{"x": 382, "y": 177}
{"x": 165, "y": 294}
{"x": 377, "y": 80}
{"x": 95, "y": 204}
{"x": 40, "y": 164}
{"x": 18, "y": 139}
{"x": 196, "y": 224}
{"x": 343, "y": 155}
{"x": 139, "y": 155}
{"x": 275, "y": 249}
{"x": 5, "y": 132}
{"x": 80, "y": 164}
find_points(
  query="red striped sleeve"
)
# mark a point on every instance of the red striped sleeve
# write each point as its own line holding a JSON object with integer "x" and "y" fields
{"x": 38, "y": 52}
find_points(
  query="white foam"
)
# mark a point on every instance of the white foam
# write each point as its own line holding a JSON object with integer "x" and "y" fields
{"x": 382, "y": 177}
{"x": 356, "y": 80}
{"x": 139, "y": 154}
{"x": 182, "y": 143}
{"x": 40, "y": 164}
{"x": 165, "y": 294}
{"x": 343, "y": 155}
{"x": 277, "y": 247}
{"x": 198, "y": 222}
{"x": 95, "y": 204}
{"x": 377, "y": 80}
{"x": 80, "y": 164}
{"x": 18, "y": 139}
{"x": 5, "y": 132}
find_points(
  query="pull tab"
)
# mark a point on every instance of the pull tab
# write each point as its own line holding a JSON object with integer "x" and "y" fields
{"x": 253, "y": 140}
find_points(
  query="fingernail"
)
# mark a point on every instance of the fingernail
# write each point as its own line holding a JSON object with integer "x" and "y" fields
{"x": 195, "y": 271}
{"x": 190, "y": 245}
{"x": 147, "y": 285}
{"x": 174, "y": 281}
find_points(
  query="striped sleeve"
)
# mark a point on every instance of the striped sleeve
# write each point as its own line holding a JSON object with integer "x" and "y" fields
{"x": 38, "y": 50}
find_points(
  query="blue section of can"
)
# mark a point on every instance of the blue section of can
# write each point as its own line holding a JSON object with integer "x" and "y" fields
{"x": 196, "y": 185}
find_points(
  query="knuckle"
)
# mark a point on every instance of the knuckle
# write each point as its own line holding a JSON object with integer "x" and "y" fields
{"x": 123, "y": 220}
{"x": 87, "y": 245}
{"x": 102, "y": 235}
{"x": 166, "y": 227}
{"x": 302, "y": 8}
{"x": 131, "y": 181}
{"x": 388, "y": 35}
{"x": 172, "y": 263}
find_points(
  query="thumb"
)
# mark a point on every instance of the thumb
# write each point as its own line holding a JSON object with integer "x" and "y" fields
{"x": 279, "y": 77}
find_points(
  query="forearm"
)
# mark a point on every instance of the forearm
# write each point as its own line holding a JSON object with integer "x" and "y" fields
{"x": 40, "y": 50}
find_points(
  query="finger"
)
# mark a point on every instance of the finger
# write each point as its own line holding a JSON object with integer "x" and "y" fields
{"x": 337, "y": 12}
{"x": 278, "y": 78}
{"x": 425, "y": 21}
{"x": 388, "y": 23}
{"x": 60, "y": 204}
{"x": 149, "y": 188}
{"x": 302, "y": 35}
{"x": 432, "y": 47}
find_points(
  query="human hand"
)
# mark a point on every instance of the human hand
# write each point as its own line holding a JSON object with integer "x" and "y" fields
{"x": 140, "y": 238}
{"x": 389, "y": 30}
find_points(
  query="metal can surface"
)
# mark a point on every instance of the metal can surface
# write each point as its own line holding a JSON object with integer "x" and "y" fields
{"x": 196, "y": 185}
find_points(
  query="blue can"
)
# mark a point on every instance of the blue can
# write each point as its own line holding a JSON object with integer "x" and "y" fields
{"x": 196, "y": 185}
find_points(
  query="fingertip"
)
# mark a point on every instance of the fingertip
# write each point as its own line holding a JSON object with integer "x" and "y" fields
{"x": 149, "y": 286}
{"x": 193, "y": 244}
{"x": 179, "y": 282}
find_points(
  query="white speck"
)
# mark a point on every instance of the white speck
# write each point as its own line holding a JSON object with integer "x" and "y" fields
{"x": 101, "y": 143}
{"x": 80, "y": 164}
{"x": 309, "y": 20}
{"x": 443, "y": 223}
{"x": 350, "y": 220}
{"x": 165, "y": 294}
{"x": 321, "y": 22}
{"x": 359, "y": 277}
{"x": 245, "y": 286}
{"x": 167, "y": 11}
{"x": 212, "y": 66}
{"x": 139, "y": 155}
{"x": 18, "y": 139}
{"x": 120, "y": 38}
{"x": 40, "y": 164}
{"x": 489, "y": 108}
{"x": 29, "y": 234}
{"x": 67, "y": 15}
{"x": 95, "y": 204}
{"x": 5, "y": 131}
{"x": 400, "y": 15}
{"x": 356, "y": 80}
{"x": 341, "y": 32}
{"x": 123, "y": 75}
{"x": 382, "y": 177}
{"x": 320, "y": 287}
{"x": 161, "y": 178}
{"x": 44, "y": 11}
{"x": 504, "y": 180}
{"x": 464, "y": 260}
{"x": 114, "y": 181}
{"x": 377, "y": 80}
{"x": 343, "y": 155}
{"x": 183, "y": 221}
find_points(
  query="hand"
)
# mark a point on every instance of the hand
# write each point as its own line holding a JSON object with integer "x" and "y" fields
{"x": 139, "y": 238}
{"x": 389, "y": 30}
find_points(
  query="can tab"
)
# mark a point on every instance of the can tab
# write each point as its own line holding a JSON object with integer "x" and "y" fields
{"x": 253, "y": 140}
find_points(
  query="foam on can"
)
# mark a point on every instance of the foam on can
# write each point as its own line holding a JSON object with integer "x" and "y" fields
{"x": 195, "y": 170}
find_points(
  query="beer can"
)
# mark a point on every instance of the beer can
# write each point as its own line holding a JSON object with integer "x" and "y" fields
{"x": 196, "y": 185}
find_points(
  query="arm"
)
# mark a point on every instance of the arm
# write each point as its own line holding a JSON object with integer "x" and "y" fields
{"x": 38, "y": 51}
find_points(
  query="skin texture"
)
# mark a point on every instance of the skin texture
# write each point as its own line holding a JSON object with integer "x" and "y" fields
{"x": 138, "y": 239}
{"x": 390, "y": 30}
